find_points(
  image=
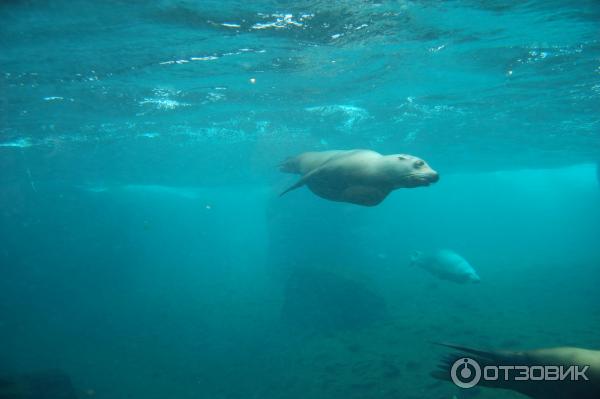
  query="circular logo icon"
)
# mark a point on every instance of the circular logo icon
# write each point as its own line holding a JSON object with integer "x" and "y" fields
{"x": 465, "y": 372}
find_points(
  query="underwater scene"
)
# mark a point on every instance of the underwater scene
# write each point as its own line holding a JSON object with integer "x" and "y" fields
{"x": 299, "y": 199}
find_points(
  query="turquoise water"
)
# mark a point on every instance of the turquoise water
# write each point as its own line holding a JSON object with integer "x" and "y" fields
{"x": 145, "y": 252}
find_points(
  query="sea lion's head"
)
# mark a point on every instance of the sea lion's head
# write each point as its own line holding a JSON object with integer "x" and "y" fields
{"x": 406, "y": 171}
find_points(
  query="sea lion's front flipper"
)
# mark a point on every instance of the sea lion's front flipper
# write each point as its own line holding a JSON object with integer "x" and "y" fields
{"x": 299, "y": 183}
{"x": 302, "y": 180}
{"x": 482, "y": 357}
{"x": 494, "y": 358}
{"x": 472, "y": 351}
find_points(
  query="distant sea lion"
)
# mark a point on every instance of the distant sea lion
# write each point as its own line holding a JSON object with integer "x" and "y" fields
{"x": 361, "y": 177}
{"x": 537, "y": 389}
{"x": 447, "y": 265}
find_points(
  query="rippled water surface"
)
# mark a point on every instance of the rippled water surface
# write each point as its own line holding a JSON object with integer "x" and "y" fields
{"x": 469, "y": 84}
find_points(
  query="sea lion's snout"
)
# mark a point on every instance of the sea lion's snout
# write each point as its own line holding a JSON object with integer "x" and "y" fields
{"x": 423, "y": 178}
{"x": 429, "y": 177}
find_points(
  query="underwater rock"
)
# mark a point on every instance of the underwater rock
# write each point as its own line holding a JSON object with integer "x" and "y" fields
{"x": 51, "y": 384}
{"x": 446, "y": 265}
{"x": 319, "y": 302}
{"x": 361, "y": 177}
{"x": 298, "y": 237}
{"x": 539, "y": 388}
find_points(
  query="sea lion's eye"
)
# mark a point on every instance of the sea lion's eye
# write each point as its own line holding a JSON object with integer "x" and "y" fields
{"x": 419, "y": 163}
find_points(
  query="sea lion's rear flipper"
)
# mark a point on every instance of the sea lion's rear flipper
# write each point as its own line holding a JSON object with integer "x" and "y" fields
{"x": 415, "y": 257}
{"x": 290, "y": 165}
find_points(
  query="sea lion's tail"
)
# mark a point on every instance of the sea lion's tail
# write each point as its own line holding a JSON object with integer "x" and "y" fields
{"x": 290, "y": 165}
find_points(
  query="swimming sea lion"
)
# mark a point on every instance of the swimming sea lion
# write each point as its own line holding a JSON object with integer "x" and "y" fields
{"x": 534, "y": 388}
{"x": 360, "y": 177}
{"x": 447, "y": 265}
